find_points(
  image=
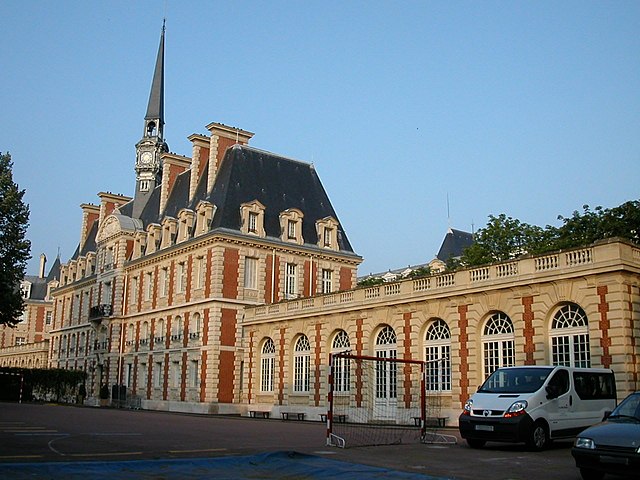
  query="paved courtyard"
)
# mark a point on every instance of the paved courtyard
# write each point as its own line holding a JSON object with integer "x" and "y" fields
{"x": 41, "y": 434}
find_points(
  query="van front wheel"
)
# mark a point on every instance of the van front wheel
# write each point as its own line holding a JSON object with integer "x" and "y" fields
{"x": 538, "y": 437}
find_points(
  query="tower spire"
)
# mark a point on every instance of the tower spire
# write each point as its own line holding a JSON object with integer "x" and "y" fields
{"x": 150, "y": 148}
{"x": 154, "y": 119}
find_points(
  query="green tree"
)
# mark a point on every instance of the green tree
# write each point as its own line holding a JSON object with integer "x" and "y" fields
{"x": 502, "y": 239}
{"x": 14, "y": 247}
{"x": 505, "y": 238}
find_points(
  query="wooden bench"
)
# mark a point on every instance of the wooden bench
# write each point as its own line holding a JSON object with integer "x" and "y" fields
{"x": 259, "y": 413}
{"x": 340, "y": 418}
{"x": 287, "y": 415}
{"x": 432, "y": 421}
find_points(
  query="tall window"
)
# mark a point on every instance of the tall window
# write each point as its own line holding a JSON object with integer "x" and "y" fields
{"x": 570, "y": 337}
{"x": 498, "y": 343}
{"x": 144, "y": 333}
{"x": 301, "y": 358}
{"x": 328, "y": 233}
{"x": 201, "y": 269}
{"x": 327, "y": 283}
{"x": 164, "y": 282}
{"x": 194, "y": 373}
{"x": 437, "y": 355}
{"x": 386, "y": 373}
{"x": 253, "y": 222}
{"x": 157, "y": 374}
{"x": 195, "y": 327}
{"x": 182, "y": 277}
{"x": 175, "y": 373}
{"x": 251, "y": 273}
{"x": 160, "y": 331}
{"x": 148, "y": 286}
{"x": 267, "y": 365}
{"x": 290, "y": 281}
{"x": 177, "y": 328}
{"x": 341, "y": 366}
{"x": 291, "y": 229}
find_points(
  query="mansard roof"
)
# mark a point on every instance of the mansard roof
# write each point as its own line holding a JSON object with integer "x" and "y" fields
{"x": 454, "y": 243}
{"x": 247, "y": 174}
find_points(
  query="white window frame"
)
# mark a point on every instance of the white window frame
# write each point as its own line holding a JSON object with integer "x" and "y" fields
{"x": 267, "y": 365}
{"x": 498, "y": 343}
{"x": 251, "y": 273}
{"x": 291, "y": 281}
{"x": 341, "y": 366}
{"x": 569, "y": 337}
{"x": 438, "y": 356}
{"x": 327, "y": 280}
{"x": 301, "y": 362}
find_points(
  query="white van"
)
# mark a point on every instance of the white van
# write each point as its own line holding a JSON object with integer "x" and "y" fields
{"x": 536, "y": 404}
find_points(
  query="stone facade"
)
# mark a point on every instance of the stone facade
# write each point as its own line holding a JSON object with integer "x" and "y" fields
{"x": 579, "y": 307}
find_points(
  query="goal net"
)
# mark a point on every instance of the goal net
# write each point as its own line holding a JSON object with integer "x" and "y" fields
{"x": 375, "y": 400}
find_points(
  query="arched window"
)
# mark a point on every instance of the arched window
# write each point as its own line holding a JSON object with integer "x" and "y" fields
{"x": 144, "y": 334}
{"x": 267, "y": 364}
{"x": 437, "y": 355}
{"x": 301, "y": 358}
{"x": 177, "y": 328}
{"x": 159, "y": 332}
{"x": 341, "y": 366}
{"x": 498, "y": 343}
{"x": 570, "y": 337}
{"x": 195, "y": 327}
{"x": 386, "y": 372}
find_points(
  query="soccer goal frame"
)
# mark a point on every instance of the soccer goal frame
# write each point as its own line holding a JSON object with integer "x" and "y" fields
{"x": 356, "y": 385}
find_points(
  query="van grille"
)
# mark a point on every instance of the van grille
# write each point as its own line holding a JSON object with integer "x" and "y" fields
{"x": 487, "y": 413}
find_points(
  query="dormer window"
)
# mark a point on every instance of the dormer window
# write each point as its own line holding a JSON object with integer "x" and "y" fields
{"x": 252, "y": 218}
{"x": 205, "y": 212}
{"x": 327, "y": 229}
{"x": 291, "y": 226}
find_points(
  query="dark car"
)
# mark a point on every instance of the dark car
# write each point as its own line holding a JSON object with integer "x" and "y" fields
{"x": 612, "y": 446}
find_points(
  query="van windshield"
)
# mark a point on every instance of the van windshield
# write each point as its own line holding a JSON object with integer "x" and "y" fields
{"x": 515, "y": 380}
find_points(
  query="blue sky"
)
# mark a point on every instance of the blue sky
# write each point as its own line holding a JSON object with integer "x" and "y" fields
{"x": 531, "y": 109}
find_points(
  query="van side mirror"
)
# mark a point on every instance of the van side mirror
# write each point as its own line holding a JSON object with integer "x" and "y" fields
{"x": 552, "y": 392}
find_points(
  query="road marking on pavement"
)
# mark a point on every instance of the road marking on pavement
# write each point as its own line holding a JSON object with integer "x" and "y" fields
{"x": 44, "y": 433}
{"x": 200, "y": 450}
{"x": 102, "y": 454}
{"x": 19, "y": 457}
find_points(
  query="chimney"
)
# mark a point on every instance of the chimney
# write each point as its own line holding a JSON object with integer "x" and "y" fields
{"x": 43, "y": 262}
{"x": 172, "y": 166}
{"x": 90, "y": 213}
{"x": 199, "y": 159}
{"x": 222, "y": 137}
{"x": 109, "y": 202}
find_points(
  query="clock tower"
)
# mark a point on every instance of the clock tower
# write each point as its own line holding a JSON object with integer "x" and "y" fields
{"x": 152, "y": 145}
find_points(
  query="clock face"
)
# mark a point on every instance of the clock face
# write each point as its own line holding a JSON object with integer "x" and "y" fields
{"x": 146, "y": 158}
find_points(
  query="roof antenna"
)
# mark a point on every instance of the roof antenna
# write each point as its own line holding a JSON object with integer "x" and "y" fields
{"x": 448, "y": 214}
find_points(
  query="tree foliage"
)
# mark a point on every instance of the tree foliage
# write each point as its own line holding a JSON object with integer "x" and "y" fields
{"x": 41, "y": 383}
{"x": 14, "y": 247}
{"x": 505, "y": 238}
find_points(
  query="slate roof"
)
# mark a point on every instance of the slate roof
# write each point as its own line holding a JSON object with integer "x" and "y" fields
{"x": 247, "y": 174}
{"x": 39, "y": 285}
{"x": 454, "y": 243}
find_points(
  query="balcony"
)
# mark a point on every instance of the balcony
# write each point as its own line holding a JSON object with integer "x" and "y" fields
{"x": 100, "y": 311}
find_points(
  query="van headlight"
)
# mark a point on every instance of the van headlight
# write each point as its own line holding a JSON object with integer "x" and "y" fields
{"x": 516, "y": 409}
{"x": 583, "y": 442}
{"x": 467, "y": 407}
